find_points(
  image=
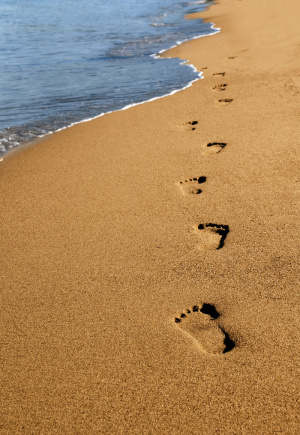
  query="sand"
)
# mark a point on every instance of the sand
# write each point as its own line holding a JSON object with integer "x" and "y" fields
{"x": 149, "y": 257}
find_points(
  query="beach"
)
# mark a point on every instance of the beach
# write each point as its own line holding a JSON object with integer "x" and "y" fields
{"x": 149, "y": 258}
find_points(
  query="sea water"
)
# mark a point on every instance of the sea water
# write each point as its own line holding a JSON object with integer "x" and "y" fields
{"x": 63, "y": 62}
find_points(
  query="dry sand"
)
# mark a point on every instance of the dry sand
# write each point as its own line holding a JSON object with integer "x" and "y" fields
{"x": 149, "y": 281}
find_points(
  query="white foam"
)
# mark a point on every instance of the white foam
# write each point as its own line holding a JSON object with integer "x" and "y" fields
{"x": 155, "y": 56}
{"x": 212, "y": 27}
{"x": 196, "y": 2}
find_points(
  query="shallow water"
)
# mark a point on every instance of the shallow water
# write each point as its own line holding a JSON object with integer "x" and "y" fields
{"x": 63, "y": 62}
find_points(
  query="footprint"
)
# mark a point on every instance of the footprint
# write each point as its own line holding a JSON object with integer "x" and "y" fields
{"x": 231, "y": 57}
{"x": 214, "y": 147}
{"x": 211, "y": 236}
{"x": 199, "y": 324}
{"x": 220, "y": 74}
{"x": 191, "y": 185}
{"x": 220, "y": 87}
{"x": 190, "y": 125}
{"x": 225, "y": 101}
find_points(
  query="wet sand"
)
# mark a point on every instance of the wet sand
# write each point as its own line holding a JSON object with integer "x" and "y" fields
{"x": 149, "y": 258}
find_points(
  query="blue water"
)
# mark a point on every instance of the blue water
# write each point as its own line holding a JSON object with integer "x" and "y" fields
{"x": 68, "y": 60}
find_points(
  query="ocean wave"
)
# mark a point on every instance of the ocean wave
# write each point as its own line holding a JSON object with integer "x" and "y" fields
{"x": 81, "y": 81}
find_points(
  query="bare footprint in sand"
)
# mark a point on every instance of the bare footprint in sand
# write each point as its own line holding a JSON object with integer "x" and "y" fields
{"x": 220, "y": 74}
{"x": 220, "y": 87}
{"x": 198, "y": 322}
{"x": 224, "y": 101}
{"x": 189, "y": 126}
{"x": 191, "y": 185}
{"x": 213, "y": 147}
{"x": 211, "y": 236}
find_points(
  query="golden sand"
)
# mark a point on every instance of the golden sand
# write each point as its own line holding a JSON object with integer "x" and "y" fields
{"x": 149, "y": 257}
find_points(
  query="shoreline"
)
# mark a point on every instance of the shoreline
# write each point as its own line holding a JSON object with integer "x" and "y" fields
{"x": 149, "y": 265}
{"x": 126, "y": 106}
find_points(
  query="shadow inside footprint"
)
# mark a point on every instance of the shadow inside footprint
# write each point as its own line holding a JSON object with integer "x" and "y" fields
{"x": 207, "y": 334}
{"x": 191, "y": 185}
{"x": 225, "y": 101}
{"x": 229, "y": 344}
{"x": 211, "y": 236}
{"x": 210, "y": 310}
